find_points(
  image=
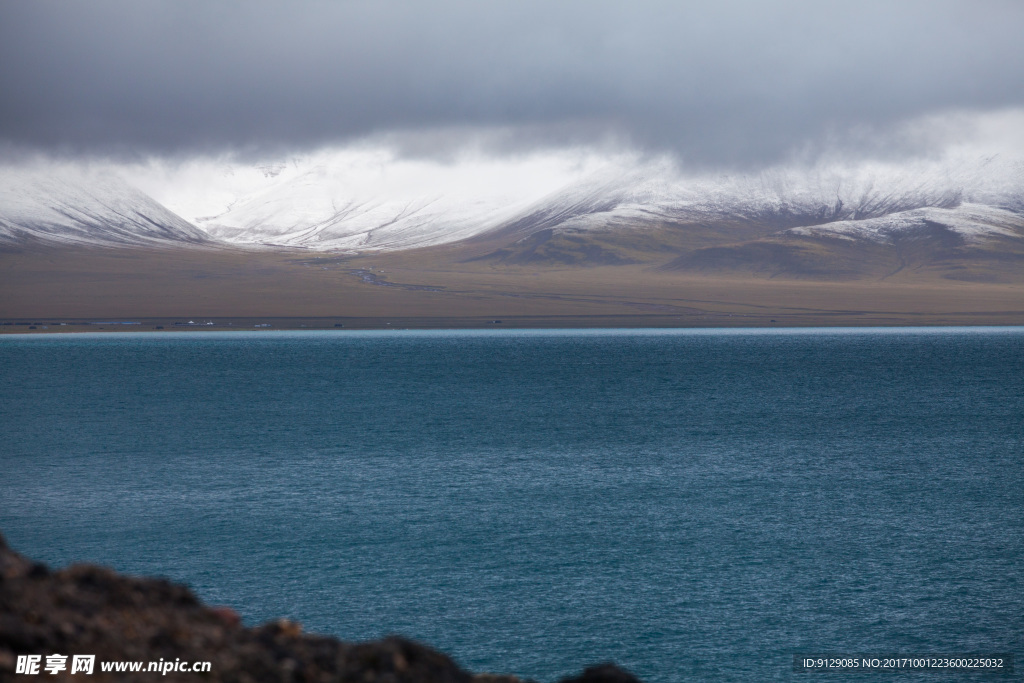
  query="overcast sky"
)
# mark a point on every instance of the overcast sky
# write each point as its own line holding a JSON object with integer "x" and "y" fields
{"x": 715, "y": 83}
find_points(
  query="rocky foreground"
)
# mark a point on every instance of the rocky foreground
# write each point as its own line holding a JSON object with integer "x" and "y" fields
{"x": 86, "y": 609}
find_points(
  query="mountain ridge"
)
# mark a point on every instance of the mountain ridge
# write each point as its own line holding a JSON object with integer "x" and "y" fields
{"x": 97, "y": 209}
{"x": 796, "y": 222}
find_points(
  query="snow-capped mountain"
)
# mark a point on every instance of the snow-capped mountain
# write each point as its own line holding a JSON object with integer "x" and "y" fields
{"x": 369, "y": 199}
{"x": 978, "y": 199}
{"x": 972, "y": 222}
{"x": 97, "y": 208}
{"x": 374, "y": 202}
{"x": 320, "y": 208}
{"x": 316, "y": 210}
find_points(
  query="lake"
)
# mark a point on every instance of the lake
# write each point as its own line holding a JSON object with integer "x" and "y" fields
{"x": 692, "y": 504}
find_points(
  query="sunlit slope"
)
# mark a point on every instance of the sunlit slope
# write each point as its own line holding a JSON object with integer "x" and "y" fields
{"x": 98, "y": 209}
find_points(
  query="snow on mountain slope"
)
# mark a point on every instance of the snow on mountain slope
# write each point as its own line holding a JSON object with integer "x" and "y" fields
{"x": 381, "y": 206}
{"x": 367, "y": 199}
{"x": 977, "y": 198}
{"x": 74, "y": 207}
{"x": 371, "y": 200}
{"x": 313, "y": 212}
{"x": 973, "y": 222}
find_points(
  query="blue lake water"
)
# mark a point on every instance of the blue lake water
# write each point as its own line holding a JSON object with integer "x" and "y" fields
{"x": 694, "y": 505}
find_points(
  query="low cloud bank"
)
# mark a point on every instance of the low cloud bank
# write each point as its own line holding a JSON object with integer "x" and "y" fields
{"x": 737, "y": 82}
{"x": 401, "y": 190}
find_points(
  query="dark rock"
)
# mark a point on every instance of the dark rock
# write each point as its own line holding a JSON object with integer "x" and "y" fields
{"x": 85, "y": 609}
{"x": 603, "y": 673}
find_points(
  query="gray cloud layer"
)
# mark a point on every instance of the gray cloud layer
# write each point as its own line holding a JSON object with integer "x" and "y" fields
{"x": 718, "y": 82}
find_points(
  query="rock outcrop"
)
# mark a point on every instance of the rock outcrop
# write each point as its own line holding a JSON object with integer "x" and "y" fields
{"x": 86, "y": 609}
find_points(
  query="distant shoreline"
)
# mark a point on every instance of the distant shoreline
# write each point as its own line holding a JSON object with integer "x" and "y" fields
{"x": 340, "y": 324}
{"x": 104, "y": 290}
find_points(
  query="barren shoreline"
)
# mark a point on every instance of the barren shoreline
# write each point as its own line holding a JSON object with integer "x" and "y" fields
{"x": 85, "y": 288}
{"x": 158, "y": 326}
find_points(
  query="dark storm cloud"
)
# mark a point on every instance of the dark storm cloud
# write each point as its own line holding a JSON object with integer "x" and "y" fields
{"x": 721, "y": 81}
